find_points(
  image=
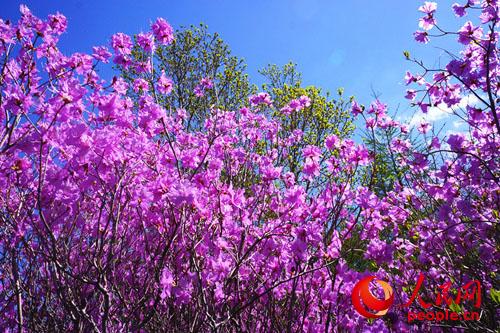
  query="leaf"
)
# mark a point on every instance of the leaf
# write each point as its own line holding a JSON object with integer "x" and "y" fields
{"x": 495, "y": 295}
{"x": 406, "y": 54}
{"x": 455, "y": 307}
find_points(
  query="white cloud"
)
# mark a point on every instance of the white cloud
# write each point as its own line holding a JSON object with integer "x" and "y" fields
{"x": 458, "y": 123}
{"x": 433, "y": 114}
{"x": 442, "y": 111}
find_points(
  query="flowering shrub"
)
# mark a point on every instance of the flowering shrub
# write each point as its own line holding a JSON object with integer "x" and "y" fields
{"x": 114, "y": 217}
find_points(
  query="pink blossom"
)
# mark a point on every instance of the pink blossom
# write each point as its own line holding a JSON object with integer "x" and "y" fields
{"x": 146, "y": 41}
{"x": 162, "y": 31}
{"x": 459, "y": 10}
{"x": 140, "y": 85}
{"x": 427, "y": 22}
{"x": 206, "y": 83}
{"x": 164, "y": 84}
{"x": 167, "y": 282}
{"x": 295, "y": 195}
{"x": 332, "y": 142}
{"x": 410, "y": 94}
{"x": 424, "y": 127}
{"x": 428, "y": 7}
{"x": 305, "y": 101}
{"x": 260, "y": 98}
{"x": 121, "y": 43}
{"x": 421, "y": 37}
{"x": 468, "y": 33}
{"x": 101, "y": 53}
{"x": 58, "y": 23}
{"x": 356, "y": 108}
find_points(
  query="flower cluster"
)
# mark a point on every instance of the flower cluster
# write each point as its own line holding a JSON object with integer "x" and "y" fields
{"x": 260, "y": 98}
{"x": 114, "y": 217}
{"x": 296, "y": 105}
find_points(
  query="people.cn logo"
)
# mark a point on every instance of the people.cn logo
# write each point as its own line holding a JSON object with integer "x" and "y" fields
{"x": 366, "y": 303}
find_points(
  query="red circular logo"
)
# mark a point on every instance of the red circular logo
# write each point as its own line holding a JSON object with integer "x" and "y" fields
{"x": 366, "y": 303}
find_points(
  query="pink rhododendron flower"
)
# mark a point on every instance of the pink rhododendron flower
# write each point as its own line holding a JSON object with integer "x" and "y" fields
{"x": 311, "y": 152}
{"x": 305, "y": 101}
{"x": 410, "y": 94}
{"x": 377, "y": 108}
{"x": 58, "y": 23}
{"x": 162, "y": 31}
{"x": 167, "y": 282}
{"x": 488, "y": 14}
{"x": 332, "y": 141}
{"x": 260, "y": 98}
{"x": 468, "y": 33}
{"x": 356, "y": 108}
{"x": 427, "y": 22}
{"x": 424, "y": 127}
{"x": 140, "y": 85}
{"x": 295, "y": 195}
{"x": 120, "y": 86}
{"x": 421, "y": 37}
{"x": 206, "y": 83}
{"x": 164, "y": 84}
{"x": 146, "y": 41}
{"x": 121, "y": 43}
{"x": 428, "y": 7}
{"x": 198, "y": 91}
{"x": 101, "y": 53}
{"x": 459, "y": 10}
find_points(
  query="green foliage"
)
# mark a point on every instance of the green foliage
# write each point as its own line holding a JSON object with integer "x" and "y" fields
{"x": 495, "y": 295}
{"x": 455, "y": 307}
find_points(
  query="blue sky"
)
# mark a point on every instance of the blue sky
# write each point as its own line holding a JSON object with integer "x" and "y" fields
{"x": 355, "y": 44}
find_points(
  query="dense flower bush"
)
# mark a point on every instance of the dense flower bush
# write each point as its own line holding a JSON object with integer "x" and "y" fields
{"x": 115, "y": 218}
